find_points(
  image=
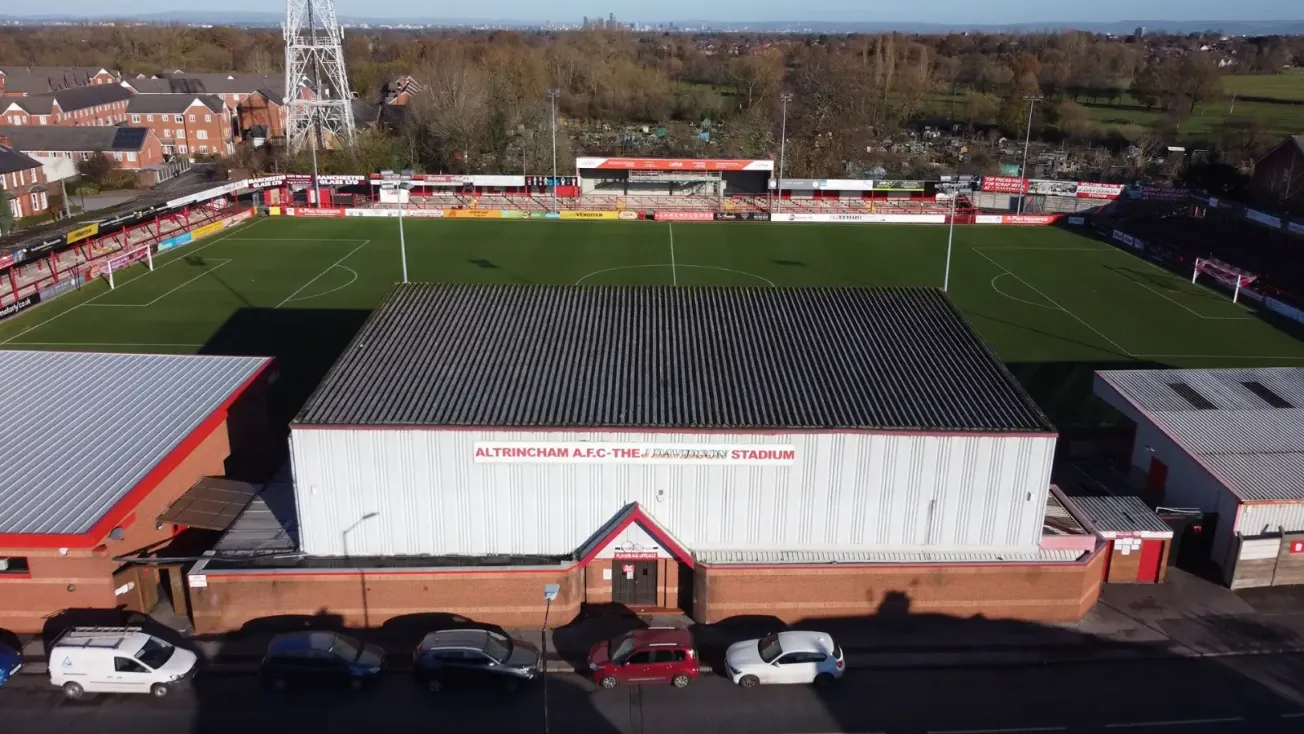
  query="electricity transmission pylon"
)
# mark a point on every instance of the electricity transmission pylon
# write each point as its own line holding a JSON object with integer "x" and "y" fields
{"x": 314, "y": 61}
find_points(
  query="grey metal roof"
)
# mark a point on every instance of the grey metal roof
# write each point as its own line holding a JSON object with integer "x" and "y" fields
{"x": 211, "y": 503}
{"x": 41, "y": 79}
{"x": 673, "y": 357}
{"x": 1255, "y": 449}
{"x": 214, "y": 83}
{"x": 80, "y": 430}
{"x": 812, "y": 558}
{"x": 42, "y": 138}
{"x": 1104, "y": 498}
{"x": 13, "y": 160}
{"x": 173, "y": 103}
{"x": 269, "y": 524}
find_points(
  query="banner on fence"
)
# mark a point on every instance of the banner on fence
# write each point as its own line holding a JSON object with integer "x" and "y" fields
{"x": 473, "y": 213}
{"x": 629, "y": 216}
{"x": 862, "y": 218}
{"x": 55, "y": 290}
{"x": 245, "y": 215}
{"x": 207, "y": 229}
{"x": 168, "y": 244}
{"x": 81, "y": 233}
{"x": 742, "y": 217}
{"x": 130, "y": 258}
{"x": 17, "y": 307}
{"x": 1004, "y": 185}
{"x": 1261, "y": 218}
{"x": 590, "y": 215}
{"x": 1281, "y": 309}
{"x": 306, "y": 211}
{"x": 1162, "y": 193}
{"x": 1043, "y": 187}
{"x": 898, "y": 185}
{"x": 684, "y": 216}
{"x": 1086, "y": 190}
{"x": 1078, "y": 221}
{"x": 504, "y": 182}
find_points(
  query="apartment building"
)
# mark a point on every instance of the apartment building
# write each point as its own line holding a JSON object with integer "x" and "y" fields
{"x": 231, "y": 88}
{"x": 21, "y": 81}
{"x": 186, "y": 124}
{"x": 23, "y": 180}
{"x": 102, "y": 104}
{"x": 132, "y": 148}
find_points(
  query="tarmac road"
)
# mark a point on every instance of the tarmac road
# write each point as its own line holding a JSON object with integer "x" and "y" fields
{"x": 1260, "y": 694}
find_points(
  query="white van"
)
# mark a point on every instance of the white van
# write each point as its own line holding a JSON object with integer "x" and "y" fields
{"x": 117, "y": 660}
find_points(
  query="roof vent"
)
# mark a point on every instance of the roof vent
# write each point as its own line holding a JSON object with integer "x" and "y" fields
{"x": 1197, "y": 400}
{"x": 1269, "y": 397}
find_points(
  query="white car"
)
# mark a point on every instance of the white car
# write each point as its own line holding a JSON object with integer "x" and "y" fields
{"x": 785, "y": 657}
{"x": 117, "y": 660}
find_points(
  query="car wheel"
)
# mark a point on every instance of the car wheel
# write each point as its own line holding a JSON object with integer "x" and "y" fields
{"x": 681, "y": 681}
{"x": 73, "y": 690}
{"x": 749, "y": 681}
{"x": 511, "y": 684}
{"x": 159, "y": 690}
{"x": 434, "y": 685}
{"x": 824, "y": 680}
{"x": 610, "y": 681}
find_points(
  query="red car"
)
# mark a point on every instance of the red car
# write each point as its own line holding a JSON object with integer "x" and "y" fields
{"x": 653, "y": 655}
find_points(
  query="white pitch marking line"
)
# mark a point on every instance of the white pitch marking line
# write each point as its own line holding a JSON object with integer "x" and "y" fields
{"x": 319, "y": 275}
{"x": 1186, "y": 722}
{"x": 105, "y": 293}
{"x": 103, "y": 344}
{"x": 1102, "y": 248}
{"x": 219, "y": 262}
{"x": 1197, "y": 314}
{"x": 1057, "y": 304}
{"x": 998, "y": 731}
{"x": 1214, "y": 356}
{"x": 336, "y": 288}
{"x": 294, "y": 239}
{"x": 674, "y": 275}
{"x": 663, "y": 265}
{"x": 1016, "y": 298}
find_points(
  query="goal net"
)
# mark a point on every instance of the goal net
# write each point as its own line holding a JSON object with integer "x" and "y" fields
{"x": 1224, "y": 274}
{"x": 107, "y": 267}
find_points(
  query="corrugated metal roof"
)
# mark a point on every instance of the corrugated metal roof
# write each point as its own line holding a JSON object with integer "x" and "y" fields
{"x": 80, "y": 430}
{"x": 1103, "y": 497}
{"x": 1255, "y": 448}
{"x": 687, "y": 357}
{"x": 212, "y": 503}
{"x": 269, "y": 524}
{"x": 814, "y": 558}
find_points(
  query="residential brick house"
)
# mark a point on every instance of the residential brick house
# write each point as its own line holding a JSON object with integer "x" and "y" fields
{"x": 264, "y": 109}
{"x": 132, "y": 148}
{"x": 186, "y": 124}
{"x": 19, "y": 81}
{"x": 24, "y": 182}
{"x": 103, "y": 104}
{"x": 232, "y": 88}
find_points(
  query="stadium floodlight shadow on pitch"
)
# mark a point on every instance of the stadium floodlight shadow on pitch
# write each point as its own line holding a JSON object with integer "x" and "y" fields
{"x": 305, "y": 343}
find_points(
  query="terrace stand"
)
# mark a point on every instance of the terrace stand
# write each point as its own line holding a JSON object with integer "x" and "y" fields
{"x": 1223, "y": 273}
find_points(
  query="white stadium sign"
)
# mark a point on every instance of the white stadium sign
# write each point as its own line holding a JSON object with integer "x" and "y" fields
{"x": 564, "y": 452}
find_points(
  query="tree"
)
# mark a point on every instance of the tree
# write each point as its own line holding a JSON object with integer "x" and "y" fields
{"x": 1200, "y": 79}
{"x": 6, "y": 214}
{"x": 1073, "y": 120}
{"x": 981, "y": 109}
{"x": 97, "y": 169}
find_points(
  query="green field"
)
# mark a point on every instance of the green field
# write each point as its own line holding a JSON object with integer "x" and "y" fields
{"x": 1052, "y": 304}
{"x": 1287, "y": 85}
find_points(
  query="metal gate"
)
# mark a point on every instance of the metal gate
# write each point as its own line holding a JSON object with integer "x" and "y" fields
{"x": 634, "y": 583}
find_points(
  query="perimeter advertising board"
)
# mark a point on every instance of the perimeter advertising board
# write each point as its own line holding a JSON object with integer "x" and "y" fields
{"x": 307, "y": 211}
{"x": 861, "y": 218}
{"x": 1004, "y": 185}
{"x": 473, "y": 213}
{"x": 17, "y": 307}
{"x": 81, "y": 233}
{"x": 671, "y": 164}
{"x": 684, "y": 216}
{"x": 589, "y": 215}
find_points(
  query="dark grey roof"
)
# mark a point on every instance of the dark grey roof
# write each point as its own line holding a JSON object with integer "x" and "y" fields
{"x": 573, "y": 356}
{"x": 71, "y": 455}
{"x": 40, "y": 104}
{"x": 208, "y": 83}
{"x": 1246, "y": 426}
{"x": 1103, "y": 497}
{"x": 42, "y": 79}
{"x": 12, "y": 160}
{"x": 80, "y": 98}
{"x": 75, "y": 138}
{"x": 172, "y": 103}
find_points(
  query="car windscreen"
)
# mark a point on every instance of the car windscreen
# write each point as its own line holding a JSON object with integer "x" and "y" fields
{"x": 346, "y": 647}
{"x": 620, "y": 648}
{"x": 769, "y": 648}
{"x": 497, "y": 647}
{"x": 155, "y": 653}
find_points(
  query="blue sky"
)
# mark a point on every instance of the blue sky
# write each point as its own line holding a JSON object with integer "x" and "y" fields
{"x": 950, "y": 11}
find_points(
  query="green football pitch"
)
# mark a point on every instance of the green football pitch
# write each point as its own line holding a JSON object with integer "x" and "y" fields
{"x": 1052, "y": 304}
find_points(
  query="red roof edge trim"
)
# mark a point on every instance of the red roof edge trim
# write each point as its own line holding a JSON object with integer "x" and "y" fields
{"x": 127, "y": 505}
{"x": 636, "y": 515}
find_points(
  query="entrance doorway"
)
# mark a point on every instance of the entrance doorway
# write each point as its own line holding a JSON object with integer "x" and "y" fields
{"x": 634, "y": 583}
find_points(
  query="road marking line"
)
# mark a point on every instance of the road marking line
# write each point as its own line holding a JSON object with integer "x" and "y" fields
{"x": 998, "y": 731}
{"x": 674, "y": 273}
{"x": 327, "y": 270}
{"x": 1185, "y": 722}
{"x": 1121, "y": 350}
{"x": 239, "y": 227}
{"x": 165, "y": 295}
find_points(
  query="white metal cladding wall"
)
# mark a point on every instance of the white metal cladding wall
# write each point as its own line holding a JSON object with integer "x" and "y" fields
{"x": 429, "y": 496}
{"x": 1266, "y": 519}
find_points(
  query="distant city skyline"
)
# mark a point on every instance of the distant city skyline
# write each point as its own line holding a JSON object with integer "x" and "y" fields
{"x": 742, "y": 11}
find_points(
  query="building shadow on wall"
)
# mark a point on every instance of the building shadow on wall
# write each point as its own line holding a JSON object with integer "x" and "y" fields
{"x": 304, "y": 341}
{"x": 1063, "y": 390}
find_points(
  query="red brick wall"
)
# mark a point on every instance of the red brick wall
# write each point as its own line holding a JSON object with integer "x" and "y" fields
{"x": 1044, "y": 593}
{"x": 507, "y": 598}
{"x": 21, "y": 184}
{"x": 24, "y": 603}
{"x": 256, "y": 110}
{"x": 216, "y": 129}
{"x": 597, "y": 590}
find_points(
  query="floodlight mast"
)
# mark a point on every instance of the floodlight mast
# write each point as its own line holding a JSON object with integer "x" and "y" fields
{"x": 317, "y": 90}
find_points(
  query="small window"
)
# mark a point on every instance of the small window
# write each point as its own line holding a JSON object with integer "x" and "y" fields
{"x": 181, "y": 133}
{"x": 149, "y": 118}
{"x": 203, "y": 149}
{"x": 135, "y": 118}
{"x": 131, "y": 157}
{"x": 201, "y": 134}
{"x": 178, "y": 118}
{"x": 181, "y": 149}
{"x": 1268, "y": 396}
{"x": 642, "y": 657}
{"x": 208, "y": 118}
{"x": 668, "y": 656}
{"x": 192, "y": 118}
{"x": 168, "y": 133}
{"x": 14, "y": 565}
{"x": 127, "y": 665}
{"x": 1196, "y": 400}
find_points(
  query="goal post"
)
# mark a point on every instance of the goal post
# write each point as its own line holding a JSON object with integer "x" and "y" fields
{"x": 144, "y": 253}
{"x": 1224, "y": 274}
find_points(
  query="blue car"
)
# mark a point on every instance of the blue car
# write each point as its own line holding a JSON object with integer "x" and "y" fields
{"x": 320, "y": 659}
{"x": 11, "y": 661}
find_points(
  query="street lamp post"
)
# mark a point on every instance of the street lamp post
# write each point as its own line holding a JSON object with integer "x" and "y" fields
{"x": 785, "y": 98}
{"x": 1027, "y": 138}
{"x": 550, "y": 592}
{"x": 401, "y": 183}
{"x": 950, "y": 236}
{"x": 553, "y": 93}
